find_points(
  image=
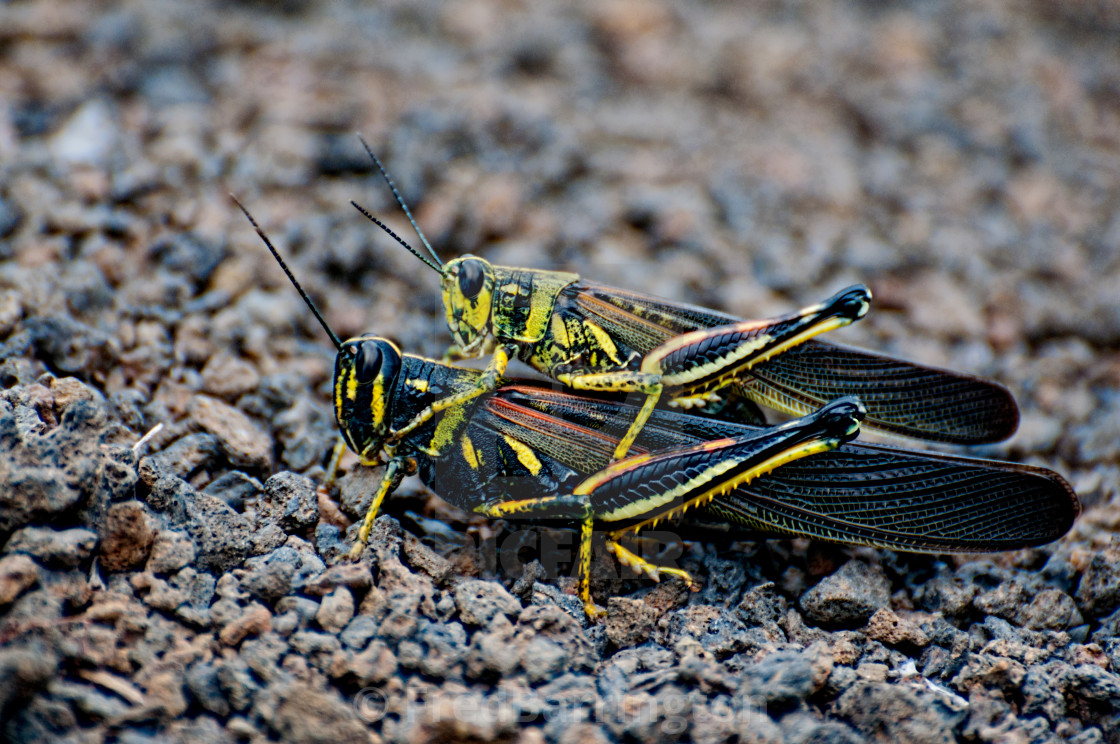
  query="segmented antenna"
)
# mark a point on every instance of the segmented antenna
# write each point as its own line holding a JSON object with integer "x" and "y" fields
{"x": 396, "y": 237}
{"x": 407, "y": 211}
{"x": 291, "y": 277}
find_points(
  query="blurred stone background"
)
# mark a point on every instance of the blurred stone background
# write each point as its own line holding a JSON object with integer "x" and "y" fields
{"x": 961, "y": 158}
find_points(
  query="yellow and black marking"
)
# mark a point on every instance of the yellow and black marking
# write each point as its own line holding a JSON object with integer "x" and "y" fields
{"x": 366, "y": 370}
{"x": 859, "y": 493}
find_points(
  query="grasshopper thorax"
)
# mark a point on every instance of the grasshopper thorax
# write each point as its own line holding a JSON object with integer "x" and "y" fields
{"x": 365, "y": 375}
{"x": 468, "y": 292}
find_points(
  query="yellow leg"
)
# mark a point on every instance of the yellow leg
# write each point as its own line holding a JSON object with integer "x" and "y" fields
{"x": 559, "y": 507}
{"x": 627, "y": 441}
{"x": 593, "y": 610}
{"x": 621, "y": 382}
{"x": 640, "y": 565}
{"x": 394, "y": 473}
{"x": 332, "y": 466}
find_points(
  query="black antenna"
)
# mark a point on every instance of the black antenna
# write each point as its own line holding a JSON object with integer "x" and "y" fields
{"x": 396, "y": 237}
{"x": 404, "y": 206}
{"x": 284, "y": 266}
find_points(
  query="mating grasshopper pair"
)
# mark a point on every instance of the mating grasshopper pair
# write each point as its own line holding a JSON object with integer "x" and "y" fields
{"x": 506, "y": 449}
{"x": 593, "y": 337}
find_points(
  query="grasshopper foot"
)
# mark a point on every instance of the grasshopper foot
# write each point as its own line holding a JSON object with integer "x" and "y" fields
{"x": 594, "y": 611}
{"x": 640, "y": 565}
{"x": 356, "y": 549}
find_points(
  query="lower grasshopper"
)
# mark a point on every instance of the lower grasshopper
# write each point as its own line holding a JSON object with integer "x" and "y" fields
{"x": 524, "y": 451}
{"x": 594, "y": 337}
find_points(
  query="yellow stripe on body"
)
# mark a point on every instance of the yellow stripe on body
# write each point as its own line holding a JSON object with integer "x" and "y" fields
{"x": 610, "y": 472}
{"x": 452, "y": 421}
{"x": 469, "y": 453}
{"x": 377, "y": 402}
{"x": 345, "y": 389}
{"x": 351, "y": 385}
{"x": 525, "y": 454}
{"x": 603, "y": 340}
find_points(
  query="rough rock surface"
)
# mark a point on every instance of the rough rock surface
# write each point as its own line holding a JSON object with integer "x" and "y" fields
{"x": 960, "y": 158}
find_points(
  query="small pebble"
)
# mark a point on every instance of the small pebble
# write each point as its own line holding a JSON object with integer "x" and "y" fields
{"x": 479, "y": 602}
{"x": 848, "y": 597}
{"x": 244, "y": 443}
{"x": 336, "y": 610}
{"x": 171, "y": 550}
{"x": 254, "y": 621}
{"x": 126, "y": 537}
{"x": 18, "y": 573}
{"x": 60, "y": 548}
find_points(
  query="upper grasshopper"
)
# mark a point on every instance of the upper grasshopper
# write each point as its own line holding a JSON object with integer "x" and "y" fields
{"x": 593, "y": 337}
{"x": 525, "y": 451}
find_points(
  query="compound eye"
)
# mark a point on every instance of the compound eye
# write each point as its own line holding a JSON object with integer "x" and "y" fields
{"x": 471, "y": 277}
{"x": 368, "y": 363}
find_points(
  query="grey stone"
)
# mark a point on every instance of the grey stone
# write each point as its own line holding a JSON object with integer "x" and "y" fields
{"x": 717, "y": 629}
{"x": 237, "y": 683}
{"x": 785, "y": 677}
{"x": 171, "y": 551}
{"x": 848, "y": 597}
{"x": 289, "y": 501}
{"x": 1098, "y": 593}
{"x": 270, "y": 577}
{"x": 186, "y": 455}
{"x": 480, "y": 601}
{"x": 901, "y": 713}
{"x": 308, "y": 716}
{"x": 629, "y": 621}
{"x": 262, "y": 655}
{"x": 58, "y": 548}
{"x": 220, "y": 534}
{"x": 1093, "y": 683}
{"x": 762, "y": 604}
{"x": 202, "y": 682}
{"x": 24, "y": 670}
{"x": 358, "y": 631}
{"x": 336, "y": 610}
{"x": 234, "y": 488}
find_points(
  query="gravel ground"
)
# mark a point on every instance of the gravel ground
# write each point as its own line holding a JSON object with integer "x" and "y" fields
{"x": 961, "y": 158}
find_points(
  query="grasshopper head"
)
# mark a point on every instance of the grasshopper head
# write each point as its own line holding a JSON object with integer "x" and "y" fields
{"x": 468, "y": 290}
{"x": 365, "y": 375}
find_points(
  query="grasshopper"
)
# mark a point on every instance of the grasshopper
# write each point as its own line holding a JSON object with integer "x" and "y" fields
{"x": 594, "y": 337}
{"x": 526, "y": 451}
{"x": 377, "y": 391}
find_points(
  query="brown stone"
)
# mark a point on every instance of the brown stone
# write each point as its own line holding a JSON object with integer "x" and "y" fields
{"x": 18, "y": 573}
{"x": 244, "y": 443}
{"x": 127, "y": 537}
{"x": 254, "y": 621}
